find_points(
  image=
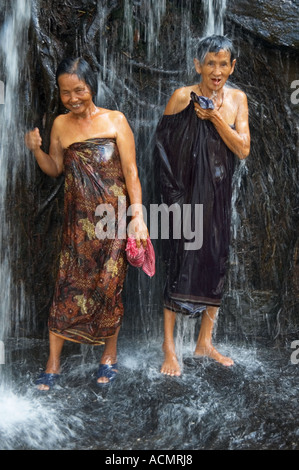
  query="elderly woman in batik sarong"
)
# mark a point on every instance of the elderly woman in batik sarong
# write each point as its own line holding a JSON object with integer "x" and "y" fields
{"x": 95, "y": 149}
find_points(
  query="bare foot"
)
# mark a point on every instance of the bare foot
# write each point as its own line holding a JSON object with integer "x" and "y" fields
{"x": 211, "y": 352}
{"x": 170, "y": 365}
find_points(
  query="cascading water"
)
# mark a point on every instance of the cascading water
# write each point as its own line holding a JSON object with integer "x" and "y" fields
{"x": 13, "y": 307}
{"x": 214, "y": 11}
{"x": 13, "y": 45}
{"x": 142, "y": 51}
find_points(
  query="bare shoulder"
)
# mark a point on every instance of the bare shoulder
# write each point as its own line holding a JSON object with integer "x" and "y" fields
{"x": 236, "y": 95}
{"x": 59, "y": 125}
{"x": 183, "y": 93}
{"x": 116, "y": 116}
{"x": 119, "y": 121}
{"x": 179, "y": 100}
{"x": 60, "y": 122}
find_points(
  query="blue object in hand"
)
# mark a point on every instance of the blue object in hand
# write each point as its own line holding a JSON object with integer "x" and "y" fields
{"x": 203, "y": 102}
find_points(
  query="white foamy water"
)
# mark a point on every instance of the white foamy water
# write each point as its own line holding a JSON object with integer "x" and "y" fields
{"x": 29, "y": 423}
{"x": 255, "y": 399}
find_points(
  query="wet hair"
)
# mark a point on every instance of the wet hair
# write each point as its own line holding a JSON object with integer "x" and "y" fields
{"x": 215, "y": 43}
{"x": 81, "y": 68}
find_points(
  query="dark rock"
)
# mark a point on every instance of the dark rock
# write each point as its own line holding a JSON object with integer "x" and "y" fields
{"x": 275, "y": 21}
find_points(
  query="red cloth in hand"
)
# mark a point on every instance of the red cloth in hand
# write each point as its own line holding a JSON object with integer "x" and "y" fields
{"x": 141, "y": 257}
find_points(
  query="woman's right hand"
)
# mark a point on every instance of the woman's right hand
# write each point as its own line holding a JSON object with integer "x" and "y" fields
{"x": 33, "y": 140}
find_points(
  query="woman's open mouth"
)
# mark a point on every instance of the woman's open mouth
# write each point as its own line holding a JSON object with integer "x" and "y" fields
{"x": 216, "y": 81}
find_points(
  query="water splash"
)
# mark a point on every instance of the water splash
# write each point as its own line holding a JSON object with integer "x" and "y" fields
{"x": 34, "y": 424}
{"x": 249, "y": 406}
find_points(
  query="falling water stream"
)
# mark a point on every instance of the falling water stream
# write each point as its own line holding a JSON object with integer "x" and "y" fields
{"x": 252, "y": 405}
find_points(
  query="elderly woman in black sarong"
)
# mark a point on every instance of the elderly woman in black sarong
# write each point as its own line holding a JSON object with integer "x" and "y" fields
{"x": 95, "y": 149}
{"x": 203, "y": 127}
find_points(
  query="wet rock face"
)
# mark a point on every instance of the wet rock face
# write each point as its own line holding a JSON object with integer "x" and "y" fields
{"x": 262, "y": 285}
{"x": 266, "y": 246}
{"x": 275, "y": 21}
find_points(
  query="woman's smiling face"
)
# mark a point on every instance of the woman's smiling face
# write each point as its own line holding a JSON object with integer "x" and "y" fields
{"x": 75, "y": 94}
{"x": 216, "y": 69}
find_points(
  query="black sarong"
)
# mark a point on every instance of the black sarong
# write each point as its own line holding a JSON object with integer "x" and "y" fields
{"x": 195, "y": 171}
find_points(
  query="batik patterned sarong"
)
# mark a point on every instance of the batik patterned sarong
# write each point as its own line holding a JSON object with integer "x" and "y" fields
{"x": 87, "y": 305}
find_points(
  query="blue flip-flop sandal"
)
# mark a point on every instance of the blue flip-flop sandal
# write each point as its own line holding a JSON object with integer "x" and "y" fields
{"x": 107, "y": 370}
{"x": 47, "y": 379}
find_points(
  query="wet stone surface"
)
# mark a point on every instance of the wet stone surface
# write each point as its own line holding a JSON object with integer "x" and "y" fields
{"x": 252, "y": 405}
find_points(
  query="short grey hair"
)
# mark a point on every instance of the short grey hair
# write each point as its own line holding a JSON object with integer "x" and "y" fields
{"x": 214, "y": 43}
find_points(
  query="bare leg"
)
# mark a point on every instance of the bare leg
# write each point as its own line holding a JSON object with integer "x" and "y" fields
{"x": 204, "y": 345}
{"x": 109, "y": 355}
{"x": 170, "y": 365}
{"x": 53, "y": 364}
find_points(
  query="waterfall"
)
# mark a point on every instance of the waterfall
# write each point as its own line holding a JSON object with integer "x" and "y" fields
{"x": 142, "y": 51}
{"x": 137, "y": 53}
{"x": 214, "y": 11}
{"x": 145, "y": 12}
{"x": 13, "y": 46}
